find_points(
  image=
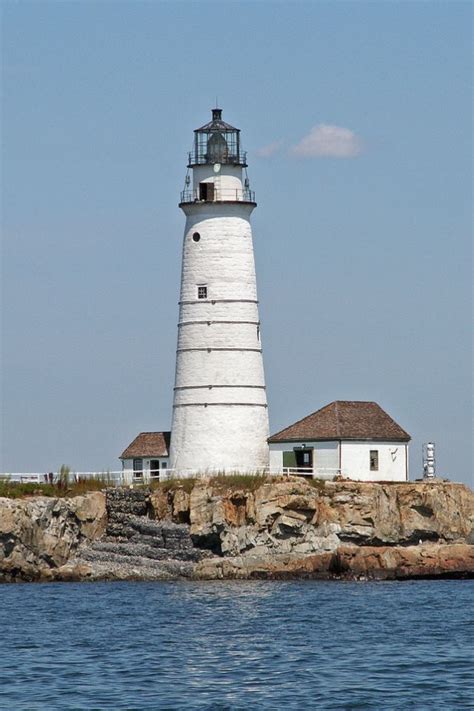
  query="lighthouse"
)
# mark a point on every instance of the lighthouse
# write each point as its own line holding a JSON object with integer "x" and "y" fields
{"x": 220, "y": 413}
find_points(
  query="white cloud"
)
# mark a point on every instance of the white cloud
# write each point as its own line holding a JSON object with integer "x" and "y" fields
{"x": 270, "y": 150}
{"x": 327, "y": 140}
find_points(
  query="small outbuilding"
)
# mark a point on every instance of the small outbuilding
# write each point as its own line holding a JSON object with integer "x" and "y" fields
{"x": 147, "y": 456}
{"x": 355, "y": 439}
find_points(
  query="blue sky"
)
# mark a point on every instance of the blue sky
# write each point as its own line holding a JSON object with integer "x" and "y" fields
{"x": 362, "y": 234}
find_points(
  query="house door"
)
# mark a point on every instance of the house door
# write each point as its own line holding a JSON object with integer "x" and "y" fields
{"x": 304, "y": 461}
{"x": 155, "y": 468}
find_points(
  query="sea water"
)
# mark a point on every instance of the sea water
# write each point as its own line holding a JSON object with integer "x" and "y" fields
{"x": 237, "y": 645}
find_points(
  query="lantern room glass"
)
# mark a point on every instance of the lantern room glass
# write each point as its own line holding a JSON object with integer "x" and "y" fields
{"x": 217, "y": 142}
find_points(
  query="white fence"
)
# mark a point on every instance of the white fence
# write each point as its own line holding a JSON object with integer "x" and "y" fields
{"x": 128, "y": 476}
{"x": 116, "y": 478}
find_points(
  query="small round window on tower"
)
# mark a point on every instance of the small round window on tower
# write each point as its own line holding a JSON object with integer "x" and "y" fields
{"x": 196, "y": 237}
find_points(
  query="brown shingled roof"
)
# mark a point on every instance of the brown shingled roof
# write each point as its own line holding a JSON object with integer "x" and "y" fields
{"x": 148, "y": 444}
{"x": 345, "y": 419}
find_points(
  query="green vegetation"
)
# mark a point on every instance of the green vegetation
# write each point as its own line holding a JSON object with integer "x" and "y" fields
{"x": 172, "y": 484}
{"x": 221, "y": 481}
{"x": 69, "y": 484}
{"x": 64, "y": 486}
{"x": 247, "y": 482}
{"x": 64, "y": 473}
{"x": 14, "y": 490}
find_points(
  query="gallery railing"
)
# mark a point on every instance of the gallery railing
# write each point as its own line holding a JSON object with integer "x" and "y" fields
{"x": 202, "y": 157}
{"x": 220, "y": 195}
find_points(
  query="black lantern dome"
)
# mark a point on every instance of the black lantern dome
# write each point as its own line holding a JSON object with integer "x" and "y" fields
{"x": 217, "y": 142}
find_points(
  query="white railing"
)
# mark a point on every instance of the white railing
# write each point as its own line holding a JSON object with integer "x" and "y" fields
{"x": 219, "y": 195}
{"x": 25, "y": 477}
{"x": 54, "y": 477}
{"x": 116, "y": 478}
{"x": 128, "y": 476}
{"x": 318, "y": 473}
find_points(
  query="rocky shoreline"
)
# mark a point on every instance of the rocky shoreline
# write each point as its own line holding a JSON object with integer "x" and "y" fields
{"x": 279, "y": 529}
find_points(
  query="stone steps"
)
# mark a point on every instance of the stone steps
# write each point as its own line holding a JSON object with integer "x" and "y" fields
{"x": 137, "y": 545}
{"x": 126, "y": 502}
{"x": 139, "y": 549}
{"x": 130, "y": 568}
{"x": 93, "y": 555}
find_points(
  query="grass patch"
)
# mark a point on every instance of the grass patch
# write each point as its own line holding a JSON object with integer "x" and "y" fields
{"x": 14, "y": 490}
{"x": 247, "y": 482}
{"x": 64, "y": 487}
{"x": 186, "y": 483}
{"x": 68, "y": 485}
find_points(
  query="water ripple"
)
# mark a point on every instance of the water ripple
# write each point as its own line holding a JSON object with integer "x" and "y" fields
{"x": 236, "y": 646}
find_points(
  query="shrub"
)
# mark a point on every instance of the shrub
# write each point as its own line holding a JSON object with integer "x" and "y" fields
{"x": 63, "y": 478}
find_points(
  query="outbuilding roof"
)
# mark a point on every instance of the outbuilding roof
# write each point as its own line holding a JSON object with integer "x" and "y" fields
{"x": 345, "y": 419}
{"x": 148, "y": 444}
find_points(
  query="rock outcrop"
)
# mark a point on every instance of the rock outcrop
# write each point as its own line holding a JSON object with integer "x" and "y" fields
{"x": 292, "y": 515}
{"x": 135, "y": 545}
{"x": 40, "y": 534}
{"x": 353, "y": 562}
{"x": 284, "y": 527}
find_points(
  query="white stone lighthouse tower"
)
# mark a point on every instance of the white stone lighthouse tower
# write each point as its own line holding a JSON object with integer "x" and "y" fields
{"x": 220, "y": 415}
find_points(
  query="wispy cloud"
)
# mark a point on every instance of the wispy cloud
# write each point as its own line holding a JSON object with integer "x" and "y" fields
{"x": 326, "y": 140}
{"x": 270, "y": 150}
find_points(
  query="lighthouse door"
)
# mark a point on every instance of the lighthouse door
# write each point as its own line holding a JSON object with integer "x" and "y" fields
{"x": 206, "y": 191}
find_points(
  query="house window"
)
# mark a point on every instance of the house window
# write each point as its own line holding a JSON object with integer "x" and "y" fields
{"x": 137, "y": 468}
{"x": 374, "y": 460}
{"x": 202, "y": 292}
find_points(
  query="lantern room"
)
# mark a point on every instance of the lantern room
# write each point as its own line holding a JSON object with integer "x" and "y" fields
{"x": 217, "y": 142}
{"x": 217, "y": 165}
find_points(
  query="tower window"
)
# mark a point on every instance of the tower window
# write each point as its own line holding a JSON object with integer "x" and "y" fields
{"x": 196, "y": 237}
{"x": 374, "y": 460}
{"x": 202, "y": 292}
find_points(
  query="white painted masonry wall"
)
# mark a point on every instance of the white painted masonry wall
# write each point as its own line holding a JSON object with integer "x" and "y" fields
{"x": 354, "y": 458}
{"x": 227, "y": 183}
{"x": 220, "y": 415}
{"x": 325, "y": 456}
{"x": 393, "y": 458}
{"x": 127, "y": 466}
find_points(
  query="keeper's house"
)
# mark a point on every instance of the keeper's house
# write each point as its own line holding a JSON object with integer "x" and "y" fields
{"x": 355, "y": 439}
{"x": 147, "y": 456}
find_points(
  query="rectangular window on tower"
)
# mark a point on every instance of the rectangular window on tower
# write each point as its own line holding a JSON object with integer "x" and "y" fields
{"x": 374, "y": 460}
{"x": 202, "y": 291}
